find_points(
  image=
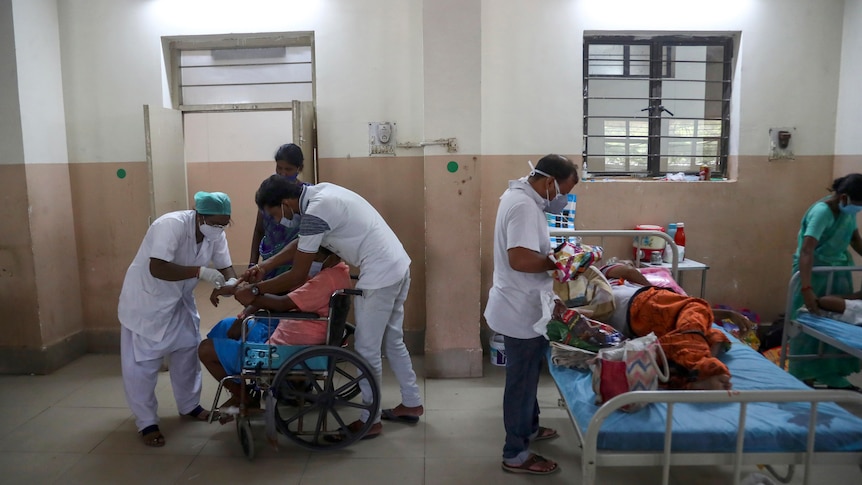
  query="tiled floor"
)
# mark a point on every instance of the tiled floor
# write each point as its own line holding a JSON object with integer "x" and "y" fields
{"x": 73, "y": 426}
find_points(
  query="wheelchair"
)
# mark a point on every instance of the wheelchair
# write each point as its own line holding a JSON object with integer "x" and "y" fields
{"x": 309, "y": 392}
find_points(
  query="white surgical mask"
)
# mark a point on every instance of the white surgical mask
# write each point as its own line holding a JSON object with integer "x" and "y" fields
{"x": 211, "y": 233}
{"x": 289, "y": 223}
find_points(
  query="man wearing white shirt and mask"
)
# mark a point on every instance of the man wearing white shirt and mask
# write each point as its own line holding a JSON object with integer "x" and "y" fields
{"x": 521, "y": 249}
{"x": 157, "y": 308}
{"x": 343, "y": 222}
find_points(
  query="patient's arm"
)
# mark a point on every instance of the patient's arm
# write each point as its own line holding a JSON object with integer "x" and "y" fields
{"x": 835, "y": 303}
{"x": 628, "y": 273}
{"x": 741, "y": 321}
{"x": 227, "y": 290}
{"x": 832, "y": 303}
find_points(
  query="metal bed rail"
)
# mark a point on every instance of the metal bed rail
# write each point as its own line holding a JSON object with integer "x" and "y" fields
{"x": 790, "y": 326}
{"x": 592, "y": 457}
{"x": 557, "y": 232}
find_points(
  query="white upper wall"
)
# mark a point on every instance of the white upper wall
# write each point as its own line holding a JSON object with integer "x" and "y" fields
{"x": 849, "y": 117}
{"x": 368, "y": 65}
{"x": 532, "y": 66}
{"x": 40, "y": 81}
{"x": 11, "y": 140}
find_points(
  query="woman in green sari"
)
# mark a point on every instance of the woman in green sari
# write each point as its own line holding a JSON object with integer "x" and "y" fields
{"x": 828, "y": 228}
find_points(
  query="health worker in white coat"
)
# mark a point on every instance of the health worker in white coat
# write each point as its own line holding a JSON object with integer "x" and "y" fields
{"x": 157, "y": 308}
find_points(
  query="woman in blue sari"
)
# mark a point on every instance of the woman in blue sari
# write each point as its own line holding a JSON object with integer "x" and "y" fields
{"x": 828, "y": 228}
{"x": 270, "y": 235}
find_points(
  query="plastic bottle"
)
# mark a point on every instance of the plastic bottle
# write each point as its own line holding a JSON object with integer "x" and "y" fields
{"x": 679, "y": 239}
{"x": 667, "y": 254}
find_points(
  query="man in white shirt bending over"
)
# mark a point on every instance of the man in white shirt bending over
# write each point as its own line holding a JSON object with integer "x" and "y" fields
{"x": 346, "y": 224}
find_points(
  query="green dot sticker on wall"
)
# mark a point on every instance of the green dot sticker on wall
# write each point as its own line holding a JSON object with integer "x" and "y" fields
{"x": 121, "y": 173}
{"x": 452, "y": 166}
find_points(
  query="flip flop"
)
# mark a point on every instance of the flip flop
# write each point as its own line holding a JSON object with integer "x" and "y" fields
{"x": 530, "y": 462}
{"x": 200, "y": 414}
{"x": 389, "y": 415}
{"x": 354, "y": 427}
{"x": 152, "y": 436}
{"x": 544, "y": 433}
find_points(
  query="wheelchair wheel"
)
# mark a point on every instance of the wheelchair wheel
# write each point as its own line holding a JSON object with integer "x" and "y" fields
{"x": 314, "y": 391}
{"x": 246, "y": 439}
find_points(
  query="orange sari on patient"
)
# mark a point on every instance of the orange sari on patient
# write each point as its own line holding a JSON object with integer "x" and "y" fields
{"x": 683, "y": 325}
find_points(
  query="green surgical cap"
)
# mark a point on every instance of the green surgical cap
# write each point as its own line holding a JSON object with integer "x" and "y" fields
{"x": 212, "y": 203}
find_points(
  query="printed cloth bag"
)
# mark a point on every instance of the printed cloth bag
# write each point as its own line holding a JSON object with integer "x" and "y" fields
{"x": 573, "y": 259}
{"x": 579, "y": 331}
{"x": 598, "y": 295}
{"x": 630, "y": 366}
{"x": 573, "y": 357}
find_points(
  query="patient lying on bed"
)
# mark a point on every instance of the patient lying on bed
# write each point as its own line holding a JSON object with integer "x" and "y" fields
{"x": 682, "y": 324}
{"x": 220, "y": 351}
{"x": 844, "y": 308}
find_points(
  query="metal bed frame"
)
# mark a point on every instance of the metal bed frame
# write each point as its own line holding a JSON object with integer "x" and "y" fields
{"x": 592, "y": 457}
{"x": 793, "y": 327}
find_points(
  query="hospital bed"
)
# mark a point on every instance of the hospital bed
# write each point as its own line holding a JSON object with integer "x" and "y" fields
{"x": 769, "y": 418}
{"x": 843, "y": 336}
{"x": 310, "y": 392}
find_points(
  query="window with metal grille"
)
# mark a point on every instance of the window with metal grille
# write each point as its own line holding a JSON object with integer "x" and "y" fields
{"x": 240, "y": 71}
{"x": 656, "y": 105}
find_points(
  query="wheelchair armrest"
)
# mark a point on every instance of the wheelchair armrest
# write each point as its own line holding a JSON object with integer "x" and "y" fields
{"x": 290, "y": 315}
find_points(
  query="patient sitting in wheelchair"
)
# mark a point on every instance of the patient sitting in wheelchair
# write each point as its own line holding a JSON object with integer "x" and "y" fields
{"x": 220, "y": 351}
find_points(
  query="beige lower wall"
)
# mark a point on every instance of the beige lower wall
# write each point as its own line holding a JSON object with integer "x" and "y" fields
{"x": 56, "y": 257}
{"x": 18, "y": 298}
{"x": 395, "y": 187}
{"x": 745, "y": 230}
{"x": 845, "y": 164}
{"x": 111, "y": 218}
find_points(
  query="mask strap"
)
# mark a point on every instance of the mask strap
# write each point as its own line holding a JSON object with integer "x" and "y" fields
{"x": 534, "y": 171}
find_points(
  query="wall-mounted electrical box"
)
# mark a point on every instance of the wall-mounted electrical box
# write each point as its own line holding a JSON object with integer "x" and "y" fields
{"x": 781, "y": 143}
{"x": 381, "y": 138}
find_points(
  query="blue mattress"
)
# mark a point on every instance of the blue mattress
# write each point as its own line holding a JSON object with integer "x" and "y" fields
{"x": 701, "y": 427}
{"x": 844, "y": 332}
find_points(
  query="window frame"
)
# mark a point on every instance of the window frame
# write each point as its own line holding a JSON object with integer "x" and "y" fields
{"x": 172, "y": 47}
{"x": 658, "y": 46}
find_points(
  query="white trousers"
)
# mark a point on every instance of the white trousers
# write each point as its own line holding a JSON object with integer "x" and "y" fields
{"x": 379, "y": 322}
{"x": 140, "y": 378}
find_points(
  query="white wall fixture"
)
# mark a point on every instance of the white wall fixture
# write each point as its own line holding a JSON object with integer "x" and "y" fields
{"x": 381, "y": 138}
{"x": 781, "y": 143}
